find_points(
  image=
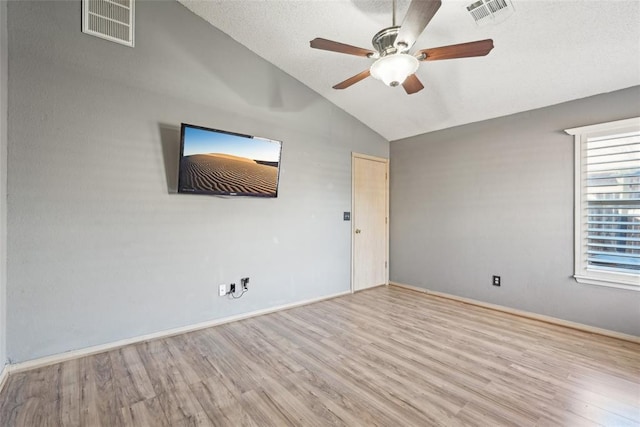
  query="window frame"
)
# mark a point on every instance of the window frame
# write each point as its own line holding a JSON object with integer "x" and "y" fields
{"x": 582, "y": 273}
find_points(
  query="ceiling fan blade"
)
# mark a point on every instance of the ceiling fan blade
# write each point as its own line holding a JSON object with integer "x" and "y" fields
{"x": 462, "y": 50}
{"x": 412, "y": 84}
{"x": 332, "y": 46}
{"x": 418, "y": 16}
{"x": 353, "y": 80}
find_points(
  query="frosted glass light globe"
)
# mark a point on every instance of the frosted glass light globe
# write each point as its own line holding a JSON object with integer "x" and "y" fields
{"x": 394, "y": 69}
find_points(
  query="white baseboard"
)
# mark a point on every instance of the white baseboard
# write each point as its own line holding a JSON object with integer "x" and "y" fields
{"x": 88, "y": 351}
{"x": 4, "y": 375}
{"x": 527, "y": 314}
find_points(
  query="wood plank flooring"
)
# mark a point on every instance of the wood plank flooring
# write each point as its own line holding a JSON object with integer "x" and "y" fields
{"x": 381, "y": 357}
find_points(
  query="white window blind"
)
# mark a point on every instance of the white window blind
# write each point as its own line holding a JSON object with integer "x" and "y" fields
{"x": 608, "y": 203}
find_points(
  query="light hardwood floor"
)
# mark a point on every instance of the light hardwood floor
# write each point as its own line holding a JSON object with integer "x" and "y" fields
{"x": 385, "y": 356}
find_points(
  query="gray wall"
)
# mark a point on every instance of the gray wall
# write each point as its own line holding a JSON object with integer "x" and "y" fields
{"x": 3, "y": 182}
{"x": 100, "y": 248}
{"x": 496, "y": 197}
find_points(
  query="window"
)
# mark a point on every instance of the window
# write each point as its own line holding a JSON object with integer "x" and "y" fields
{"x": 607, "y": 203}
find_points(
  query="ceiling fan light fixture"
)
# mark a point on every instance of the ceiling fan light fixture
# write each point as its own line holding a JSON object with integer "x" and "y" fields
{"x": 394, "y": 69}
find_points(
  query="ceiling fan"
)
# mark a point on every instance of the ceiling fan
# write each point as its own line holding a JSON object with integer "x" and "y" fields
{"x": 394, "y": 64}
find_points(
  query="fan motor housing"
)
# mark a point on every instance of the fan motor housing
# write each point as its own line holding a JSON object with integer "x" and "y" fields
{"x": 385, "y": 42}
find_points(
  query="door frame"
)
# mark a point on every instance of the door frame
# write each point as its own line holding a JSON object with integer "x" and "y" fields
{"x": 384, "y": 160}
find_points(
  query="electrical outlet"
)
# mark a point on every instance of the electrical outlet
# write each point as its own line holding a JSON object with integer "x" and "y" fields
{"x": 222, "y": 290}
{"x": 496, "y": 281}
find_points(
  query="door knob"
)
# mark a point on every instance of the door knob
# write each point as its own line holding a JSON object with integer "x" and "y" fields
{"x": 358, "y": 231}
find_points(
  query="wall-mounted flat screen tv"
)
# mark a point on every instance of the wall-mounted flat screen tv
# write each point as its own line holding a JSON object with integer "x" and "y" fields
{"x": 225, "y": 163}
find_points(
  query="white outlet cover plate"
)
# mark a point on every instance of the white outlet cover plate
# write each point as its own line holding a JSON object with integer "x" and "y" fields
{"x": 222, "y": 290}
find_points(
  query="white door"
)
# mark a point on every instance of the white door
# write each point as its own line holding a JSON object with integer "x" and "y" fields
{"x": 369, "y": 221}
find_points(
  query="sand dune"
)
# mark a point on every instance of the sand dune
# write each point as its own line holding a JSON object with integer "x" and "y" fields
{"x": 229, "y": 174}
{"x": 230, "y": 157}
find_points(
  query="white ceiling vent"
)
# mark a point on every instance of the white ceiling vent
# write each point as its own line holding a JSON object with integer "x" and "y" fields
{"x": 109, "y": 19}
{"x": 490, "y": 11}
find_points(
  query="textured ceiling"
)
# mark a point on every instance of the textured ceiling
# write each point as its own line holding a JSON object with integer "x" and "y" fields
{"x": 545, "y": 53}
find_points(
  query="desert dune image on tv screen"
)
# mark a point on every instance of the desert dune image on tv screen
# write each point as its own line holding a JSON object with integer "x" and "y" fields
{"x": 217, "y": 162}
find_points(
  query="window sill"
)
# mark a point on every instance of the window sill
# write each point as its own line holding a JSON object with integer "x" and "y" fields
{"x": 631, "y": 284}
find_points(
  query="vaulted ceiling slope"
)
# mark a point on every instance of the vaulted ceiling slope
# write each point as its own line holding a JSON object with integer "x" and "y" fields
{"x": 546, "y": 52}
